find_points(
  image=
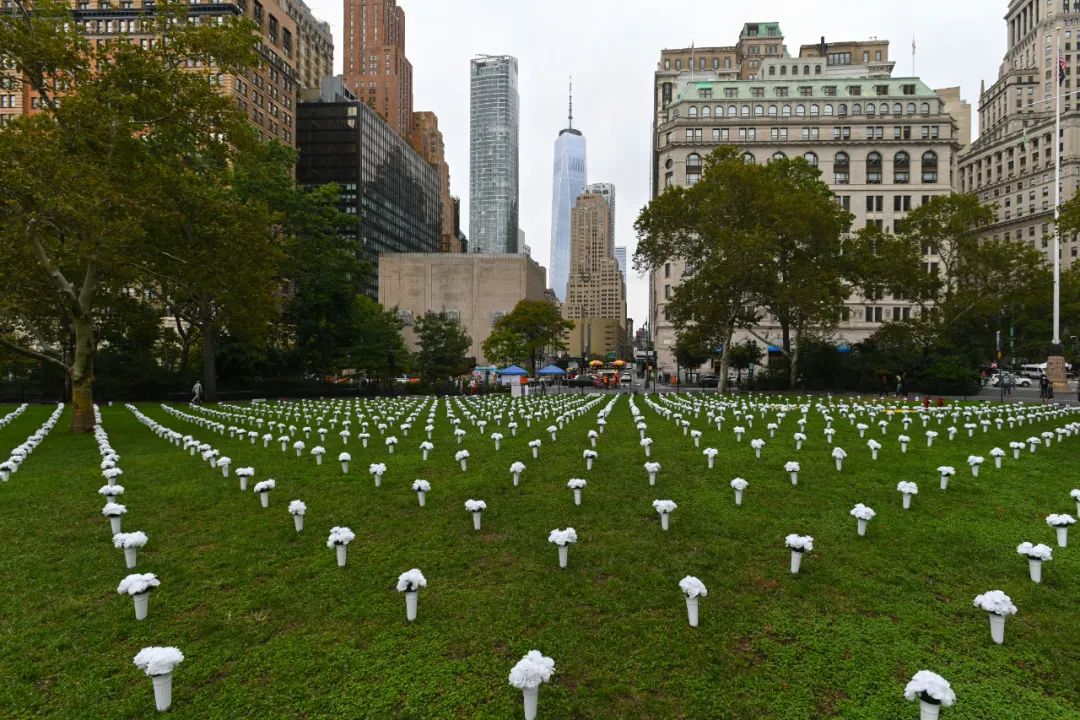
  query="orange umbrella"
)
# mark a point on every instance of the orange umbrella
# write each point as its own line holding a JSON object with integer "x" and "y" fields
{"x": 619, "y": 363}
{"x": 596, "y": 363}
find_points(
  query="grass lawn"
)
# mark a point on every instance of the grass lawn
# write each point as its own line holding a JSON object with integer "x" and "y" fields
{"x": 272, "y": 628}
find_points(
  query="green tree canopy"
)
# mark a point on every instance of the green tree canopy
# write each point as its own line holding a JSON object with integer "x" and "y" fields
{"x": 526, "y": 334}
{"x": 444, "y": 345}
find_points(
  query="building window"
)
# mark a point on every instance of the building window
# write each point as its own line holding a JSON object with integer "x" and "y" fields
{"x": 748, "y": 158}
{"x": 929, "y": 167}
{"x": 841, "y": 169}
{"x": 901, "y": 168}
{"x": 667, "y": 292}
{"x": 811, "y": 157}
{"x": 873, "y": 168}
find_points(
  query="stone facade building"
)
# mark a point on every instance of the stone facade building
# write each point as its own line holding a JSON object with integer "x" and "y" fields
{"x": 884, "y": 145}
{"x": 375, "y": 66}
{"x": 476, "y": 290}
{"x": 1011, "y": 165}
{"x": 596, "y": 294}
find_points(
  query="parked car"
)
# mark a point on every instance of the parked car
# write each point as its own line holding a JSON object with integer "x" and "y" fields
{"x": 996, "y": 378}
{"x": 581, "y": 381}
{"x": 406, "y": 380}
{"x": 709, "y": 380}
{"x": 626, "y": 378}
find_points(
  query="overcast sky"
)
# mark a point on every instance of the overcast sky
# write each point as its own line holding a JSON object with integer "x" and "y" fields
{"x": 611, "y": 47}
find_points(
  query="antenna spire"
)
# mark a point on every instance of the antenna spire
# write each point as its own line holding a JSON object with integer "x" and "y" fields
{"x": 571, "y": 125}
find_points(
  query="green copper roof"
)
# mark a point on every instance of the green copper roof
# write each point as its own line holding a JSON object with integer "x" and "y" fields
{"x": 744, "y": 89}
{"x": 765, "y": 29}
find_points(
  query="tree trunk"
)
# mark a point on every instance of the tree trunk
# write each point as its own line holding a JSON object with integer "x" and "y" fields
{"x": 81, "y": 373}
{"x": 793, "y": 374}
{"x": 725, "y": 359}
{"x": 209, "y": 352}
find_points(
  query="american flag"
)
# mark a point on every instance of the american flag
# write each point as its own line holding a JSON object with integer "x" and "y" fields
{"x": 1061, "y": 69}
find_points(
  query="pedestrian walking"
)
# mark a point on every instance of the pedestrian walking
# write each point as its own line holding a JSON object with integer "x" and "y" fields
{"x": 196, "y": 392}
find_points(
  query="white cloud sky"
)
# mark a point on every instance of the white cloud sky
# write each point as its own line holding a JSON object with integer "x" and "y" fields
{"x": 611, "y": 47}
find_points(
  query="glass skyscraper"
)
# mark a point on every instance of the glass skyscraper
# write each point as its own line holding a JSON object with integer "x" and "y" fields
{"x": 569, "y": 180}
{"x": 493, "y": 155}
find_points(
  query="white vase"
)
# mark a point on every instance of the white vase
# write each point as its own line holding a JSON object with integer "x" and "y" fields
{"x": 162, "y": 691}
{"x": 577, "y": 496}
{"x": 530, "y": 702}
{"x": 944, "y": 482}
{"x": 264, "y": 499}
{"x": 997, "y": 462}
{"x": 929, "y": 442}
{"x": 664, "y": 520}
{"x": 225, "y": 471}
{"x": 410, "y": 604}
{"x": 298, "y": 522}
{"x": 1016, "y": 453}
{"x": 142, "y": 604}
{"x": 710, "y": 460}
{"x": 873, "y": 454}
{"x": 129, "y": 557}
{"x": 757, "y": 453}
{"x": 318, "y": 459}
{"x": 390, "y": 448}
{"x": 907, "y": 501}
{"x": 299, "y": 452}
{"x": 794, "y": 478}
{"x": 345, "y": 468}
{"x": 839, "y": 465}
{"x": 997, "y": 628}
{"x": 342, "y": 551}
{"x": 420, "y": 496}
{"x": 796, "y": 561}
{"x": 929, "y": 711}
{"x": 1062, "y": 535}
{"x": 552, "y": 437}
{"x": 862, "y": 527}
{"x": 652, "y": 478}
{"x": 697, "y": 441}
{"x": 974, "y": 471}
{"x": 535, "y": 452}
{"x": 1035, "y": 570}
{"x": 903, "y": 447}
{"x": 692, "y": 610}
{"x": 648, "y": 451}
{"x": 592, "y": 441}
{"x": 564, "y": 554}
{"x": 464, "y": 465}
{"x": 283, "y": 447}
{"x": 496, "y": 446}
{"x": 738, "y": 497}
{"x": 798, "y": 444}
{"x": 243, "y": 483}
{"x": 476, "y": 520}
{"x": 588, "y": 463}
{"x": 378, "y": 479}
{"x": 114, "y": 521}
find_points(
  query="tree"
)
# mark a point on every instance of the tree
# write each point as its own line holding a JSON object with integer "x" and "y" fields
{"x": 377, "y": 349}
{"x": 530, "y": 331}
{"x": 76, "y": 179}
{"x": 745, "y": 354}
{"x": 690, "y": 350}
{"x": 443, "y": 348}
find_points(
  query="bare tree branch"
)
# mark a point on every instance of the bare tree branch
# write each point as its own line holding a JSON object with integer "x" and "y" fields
{"x": 27, "y": 352}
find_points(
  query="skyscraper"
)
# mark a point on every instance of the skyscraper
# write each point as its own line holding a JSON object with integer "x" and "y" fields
{"x": 620, "y": 256}
{"x": 595, "y": 295}
{"x": 493, "y": 155}
{"x": 606, "y": 191}
{"x": 376, "y": 69}
{"x": 568, "y": 181}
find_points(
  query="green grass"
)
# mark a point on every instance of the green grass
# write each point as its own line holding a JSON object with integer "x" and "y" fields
{"x": 272, "y": 628}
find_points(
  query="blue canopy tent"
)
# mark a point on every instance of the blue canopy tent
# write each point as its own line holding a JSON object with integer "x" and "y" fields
{"x": 513, "y": 371}
{"x": 551, "y": 370}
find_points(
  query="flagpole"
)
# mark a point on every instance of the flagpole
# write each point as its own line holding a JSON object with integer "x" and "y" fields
{"x": 1056, "y": 341}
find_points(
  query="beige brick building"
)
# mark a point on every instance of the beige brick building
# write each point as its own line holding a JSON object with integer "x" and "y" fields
{"x": 1011, "y": 165}
{"x": 427, "y": 139}
{"x": 475, "y": 289}
{"x": 884, "y": 145}
{"x": 289, "y": 37}
{"x": 376, "y": 68}
{"x": 595, "y": 292}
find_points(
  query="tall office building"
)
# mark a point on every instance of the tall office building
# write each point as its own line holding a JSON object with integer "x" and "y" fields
{"x": 1011, "y": 165}
{"x": 595, "y": 295}
{"x": 391, "y": 190}
{"x": 620, "y": 256}
{"x": 376, "y": 69}
{"x": 427, "y": 139}
{"x": 493, "y": 155}
{"x": 606, "y": 191}
{"x": 884, "y": 144}
{"x": 569, "y": 178}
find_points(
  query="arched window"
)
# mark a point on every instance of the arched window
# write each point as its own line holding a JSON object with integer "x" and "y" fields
{"x": 772, "y": 69}
{"x": 911, "y": 108}
{"x": 841, "y": 169}
{"x": 828, "y": 110}
{"x": 731, "y": 111}
{"x": 856, "y": 109}
{"x": 779, "y": 156}
{"x": 745, "y": 111}
{"x": 817, "y": 69}
{"x": 693, "y": 161}
{"x": 929, "y": 167}
{"x": 873, "y": 168}
{"x": 786, "y": 111}
{"x": 783, "y": 70}
{"x": 805, "y": 69}
{"x": 870, "y": 110}
{"x": 901, "y": 168}
{"x": 748, "y": 158}
{"x": 772, "y": 111}
{"x": 815, "y": 110}
{"x": 794, "y": 69}
{"x": 841, "y": 109}
{"x": 759, "y": 110}
{"x": 800, "y": 111}
{"x": 716, "y": 63}
{"x": 811, "y": 157}
{"x": 884, "y": 109}
{"x": 692, "y": 112}
{"x": 706, "y": 111}
{"x": 897, "y": 109}
{"x": 925, "y": 108}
